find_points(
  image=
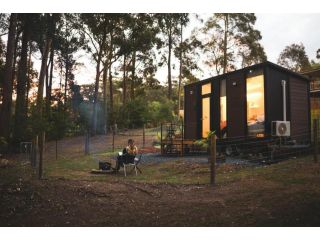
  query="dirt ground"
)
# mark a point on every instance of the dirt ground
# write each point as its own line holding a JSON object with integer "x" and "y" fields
{"x": 250, "y": 202}
{"x": 166, "y": 194}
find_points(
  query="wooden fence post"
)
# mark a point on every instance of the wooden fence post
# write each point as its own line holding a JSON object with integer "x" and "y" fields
{"x": 182, "y": 144}
{"x": 56, "y": 149}
{"x": 113, "y": 133}
{"x": 34, "y": 152}
{"x": 315, "y": 139}
{"x": 213, "y": 160}
{"x": 144, "y": 136}
{"x": 41, "y": 143}
{"x": 161, "y": 147}
{"x": 87, "y": 143}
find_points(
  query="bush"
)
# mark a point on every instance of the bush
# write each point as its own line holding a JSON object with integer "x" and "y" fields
{"x": 133, "y": 114}
{"x": 137, "y": 112}
{"x": 160, "y": 112}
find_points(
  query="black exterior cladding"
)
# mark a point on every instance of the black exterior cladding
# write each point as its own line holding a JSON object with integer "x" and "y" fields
{"x": 297, "y": 98}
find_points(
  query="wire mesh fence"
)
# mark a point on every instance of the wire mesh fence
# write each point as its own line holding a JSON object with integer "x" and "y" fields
{"x": 155, "y": 139}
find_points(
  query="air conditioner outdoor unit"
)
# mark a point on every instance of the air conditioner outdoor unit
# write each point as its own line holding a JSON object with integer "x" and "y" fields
{"x": 280, "y": 128}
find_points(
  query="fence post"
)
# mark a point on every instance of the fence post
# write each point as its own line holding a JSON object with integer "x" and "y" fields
{"x": 34, "y": 152}
{"x": 182, "y": 143}
{"x": 56, "y": 149}
{"x": 213, "y": 160}
{"x": 161, "y": 147}
{"x": 41, "y": 145}
{"x": 315, "y": 139}
{"x": 113, "y": 133}
{"x": 44, "y": 143}
{"x": 144, "y": 136}
{"x": 86, "y": 145}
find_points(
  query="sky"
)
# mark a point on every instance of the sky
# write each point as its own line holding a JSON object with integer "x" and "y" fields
{"x": 278, "y": 31}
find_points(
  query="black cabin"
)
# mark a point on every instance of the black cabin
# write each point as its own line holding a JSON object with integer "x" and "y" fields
{"x": 244, "y": 103}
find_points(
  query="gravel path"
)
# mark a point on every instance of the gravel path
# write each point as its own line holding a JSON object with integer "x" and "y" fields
{"x": 154, "y": 158}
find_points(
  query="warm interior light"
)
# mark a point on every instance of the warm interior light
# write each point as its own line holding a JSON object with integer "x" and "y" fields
{"x": 223, "y": 108}
{"x": 205, "y": 116}
{"x": 255, "y": 105}
{"x": 206, "y": 89}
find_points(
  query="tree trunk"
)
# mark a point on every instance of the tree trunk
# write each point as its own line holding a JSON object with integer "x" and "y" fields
{"x": 40, "y": 99}
{"x": 180, "y": 70}
{"x": 104, "y": 79}
{"x": 51, "y": 73}
{"x": 133, "y": 71}
{"x": 111, "y": 94}
{"x": 20, "y": 114}
{"x": 49, "y": 82}
{"x": 96, "y": 86}
{"x": 66, "y": 57}
{"x": 225, "y": 47}
{"x": 124, "y": 86}
{"x": 8, "y": 83}
{"x": 66, "y": 81}
{"x": 28, "y": 80}
{"x": 169, "y": 65}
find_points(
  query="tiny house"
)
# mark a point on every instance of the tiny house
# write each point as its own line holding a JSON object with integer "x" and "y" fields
{"x": 247, "y": 103}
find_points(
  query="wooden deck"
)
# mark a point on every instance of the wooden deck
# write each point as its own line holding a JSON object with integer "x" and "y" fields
{"x": 177, "y": 146}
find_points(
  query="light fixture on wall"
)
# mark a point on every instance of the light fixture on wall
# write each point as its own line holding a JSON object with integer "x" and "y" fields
{"x": 234, "y": 83}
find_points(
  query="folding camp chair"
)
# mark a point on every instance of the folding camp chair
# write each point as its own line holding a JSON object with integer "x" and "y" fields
{"x": 135, "y": 164}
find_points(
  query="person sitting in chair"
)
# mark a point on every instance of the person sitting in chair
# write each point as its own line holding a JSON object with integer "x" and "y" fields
{"x": 128, "y": 154}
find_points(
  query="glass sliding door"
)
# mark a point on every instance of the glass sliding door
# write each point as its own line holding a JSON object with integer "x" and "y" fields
{"x": 205, "y": 116}
{"x": 255, "y": 104}
{"x": 223, "y": 109}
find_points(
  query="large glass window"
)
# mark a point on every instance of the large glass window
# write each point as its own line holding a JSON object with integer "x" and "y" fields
{"x": 255, "y": 104}
{"x": 205, "y": 116}
{"x": 223, "y": 109}
{"x": 206, "y": 89}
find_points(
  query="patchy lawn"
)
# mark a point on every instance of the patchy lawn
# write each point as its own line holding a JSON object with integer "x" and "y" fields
{"x": 175, "y": 193}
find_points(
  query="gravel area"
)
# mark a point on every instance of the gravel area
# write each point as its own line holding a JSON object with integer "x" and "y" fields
{"x": 154, "y": 158}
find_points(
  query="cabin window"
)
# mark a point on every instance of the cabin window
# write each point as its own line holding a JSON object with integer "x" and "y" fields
{"x": 206, "y": 89}
{"x": 223, "y": 109}
{"x": 255, "y": 104}
{"x": 205, "y": 116}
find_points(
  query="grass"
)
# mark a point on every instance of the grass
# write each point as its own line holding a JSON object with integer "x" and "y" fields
{"x": 181, "y": 172}
{"x": 282, "y": 194}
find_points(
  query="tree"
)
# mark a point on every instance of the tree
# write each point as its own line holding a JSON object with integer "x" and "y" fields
{"x": 318, "y": 54}
{"x": 22, "y": 78}
{"x": 95, "y": 28}
{"x": 169, "y": 25}
{"x": 105, "y": 33}
{"x": 294, "y": 57}
{"x": 140, "y": 42}
{"x": 45, "y": 52}
{"x": 187, "y": 53}
{"x": 226, "y": 37}
{"x": 7, "y": 83}
{"x": 67, "y": 41}
{"x": 2, "y": 63}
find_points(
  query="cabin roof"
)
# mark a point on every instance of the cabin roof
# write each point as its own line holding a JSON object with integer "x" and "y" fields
{"x": 312, "y": 73}
{"x": 266, "y": 63}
